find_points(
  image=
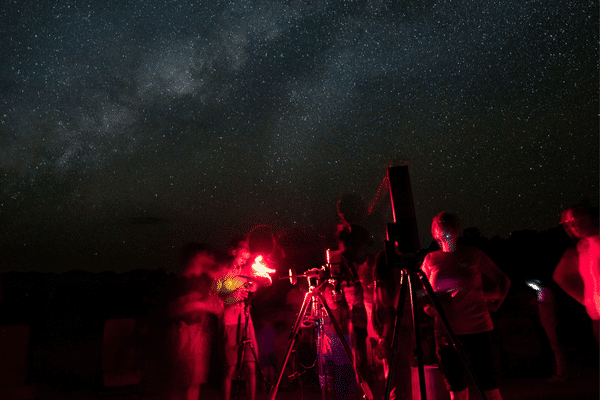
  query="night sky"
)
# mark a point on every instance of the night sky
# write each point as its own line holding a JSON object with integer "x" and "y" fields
{"x": 129, "y": 128}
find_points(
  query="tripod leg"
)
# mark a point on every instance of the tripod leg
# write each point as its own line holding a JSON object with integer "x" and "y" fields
{"x": 399, "y": 315}
{"x": 249, "y": 341}
{"x": 240, "y": 359}
{"x": 303, "y": 309}
{"x": 417, "y": 333}
{"x": 238, "y": 380}
{"x": 363, "y": 384}
{"x": 453, "y": 338}
{"x": 255, "y": 355}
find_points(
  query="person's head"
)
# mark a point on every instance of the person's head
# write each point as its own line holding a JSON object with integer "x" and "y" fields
{"x": 445, "y": 229}
{"x": 580, "y": 221}
{"x": 354, "y": 241}
{"x": 352, "y": 209}
{"x": 199, "y": 259}
{"x": 239, "y": 252}
{"x": 566, "y": 218}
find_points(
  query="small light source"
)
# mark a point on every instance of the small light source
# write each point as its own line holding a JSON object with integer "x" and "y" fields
{"x": 534, "y": 284}
{"x": 539, "y": 288}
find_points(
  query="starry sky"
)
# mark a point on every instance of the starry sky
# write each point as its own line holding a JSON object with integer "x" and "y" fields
{"x": 128, "y": 128}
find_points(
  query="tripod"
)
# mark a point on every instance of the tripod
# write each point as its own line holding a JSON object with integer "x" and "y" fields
{"x": 246, "y": 341}
{"x": 409, "y": 274}
{"x": 313, "y": 298}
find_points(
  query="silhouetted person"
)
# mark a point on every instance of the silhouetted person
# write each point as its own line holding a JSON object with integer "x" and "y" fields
{"x": 387, "y": 291}
{"x": 346, "y": 300}
{"x": 468, "y": 285}
{"x": 548, "y": 299}
{"x": 352, "y": 209}
{"x": 190, "y": 335}
{"x": 578, "y": 272}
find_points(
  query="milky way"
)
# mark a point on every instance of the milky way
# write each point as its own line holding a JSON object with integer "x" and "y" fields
{"x": 132, "y": 127}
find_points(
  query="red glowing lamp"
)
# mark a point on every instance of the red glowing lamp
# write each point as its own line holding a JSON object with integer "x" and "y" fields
{"x": 261, "y": 269}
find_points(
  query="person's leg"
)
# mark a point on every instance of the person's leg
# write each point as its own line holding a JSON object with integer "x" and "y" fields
{"x": 402, "y": 379}
{"x": 460, "y": 395}
{"x": 453, "y": 369}
{"x": 227, "y": 381}
{"x": 250, "y": 378}
{"x": 200, "y": 348}
{"x": 547, "y": 314}
{"x": 231, "y": 349}
{"x": 193, "y": 393}
{"x": 493, "y": 394}
{"x": 482, "y": 355}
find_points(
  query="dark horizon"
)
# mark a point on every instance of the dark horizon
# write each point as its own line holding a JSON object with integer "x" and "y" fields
{"x": 167, "y": 256}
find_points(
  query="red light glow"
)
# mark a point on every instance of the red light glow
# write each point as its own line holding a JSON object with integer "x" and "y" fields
{"x": 261, "y": 269}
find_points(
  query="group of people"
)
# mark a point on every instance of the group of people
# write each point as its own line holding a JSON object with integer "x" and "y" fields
{"x": 362, "y": 297}
{"x": 468, "y": 286}
{"x": 214, "y": 287}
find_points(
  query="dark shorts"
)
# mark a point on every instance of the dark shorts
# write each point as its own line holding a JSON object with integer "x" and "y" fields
{"x": 479, "y": 350}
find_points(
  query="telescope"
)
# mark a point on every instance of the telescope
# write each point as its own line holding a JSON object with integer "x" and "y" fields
{"x": 402, "y": 236}
{"x": 317, "y": 273}
{"x": 314, "y": 308}
{"x": 331, "y": 270}
{"x": 401, "y": 251}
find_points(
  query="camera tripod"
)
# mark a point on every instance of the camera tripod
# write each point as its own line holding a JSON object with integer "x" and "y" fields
{"x": 246, "y": 341}
{"x": 409, "y": 274}
{"x": 313, "y": 298}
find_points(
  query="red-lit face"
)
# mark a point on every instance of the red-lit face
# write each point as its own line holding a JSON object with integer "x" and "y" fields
{"x": 446, "y": 238}
{"x": 241, "y": 257}
{"x": 579, "y": 225}
{"x": 566, "y": 219}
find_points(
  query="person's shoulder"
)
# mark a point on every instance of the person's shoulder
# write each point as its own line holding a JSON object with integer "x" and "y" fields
{"x": 433, "y": 257}
{"x": 477, "y": 256}
{"x": 472, "y": 251}
{"x": 434, "y": 254}
{"x": 468, "y": 249}
{"x": 570, "y": 255}
{"x": 594, "y": 240}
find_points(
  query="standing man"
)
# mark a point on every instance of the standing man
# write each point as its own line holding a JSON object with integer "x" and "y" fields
{"x": 345, "y": 298}
{"x": 386, "y": 294}
{"x": 190, "y": 336}
{"x": 468, "y": 286}
{"x": 549, "y": 297}
{"x": 578, "y": 272}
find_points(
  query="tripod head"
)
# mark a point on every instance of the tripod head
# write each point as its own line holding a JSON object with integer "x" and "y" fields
{"x": 329, "y": 271}
{"x": 397, "y": 253}
{"x": 313, "y": 273}
{"x": 410, "y": 262}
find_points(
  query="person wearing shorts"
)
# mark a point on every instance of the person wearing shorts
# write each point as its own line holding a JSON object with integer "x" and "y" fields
{"x": 236, "y": 287}
{"x": 468, "y": 286}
